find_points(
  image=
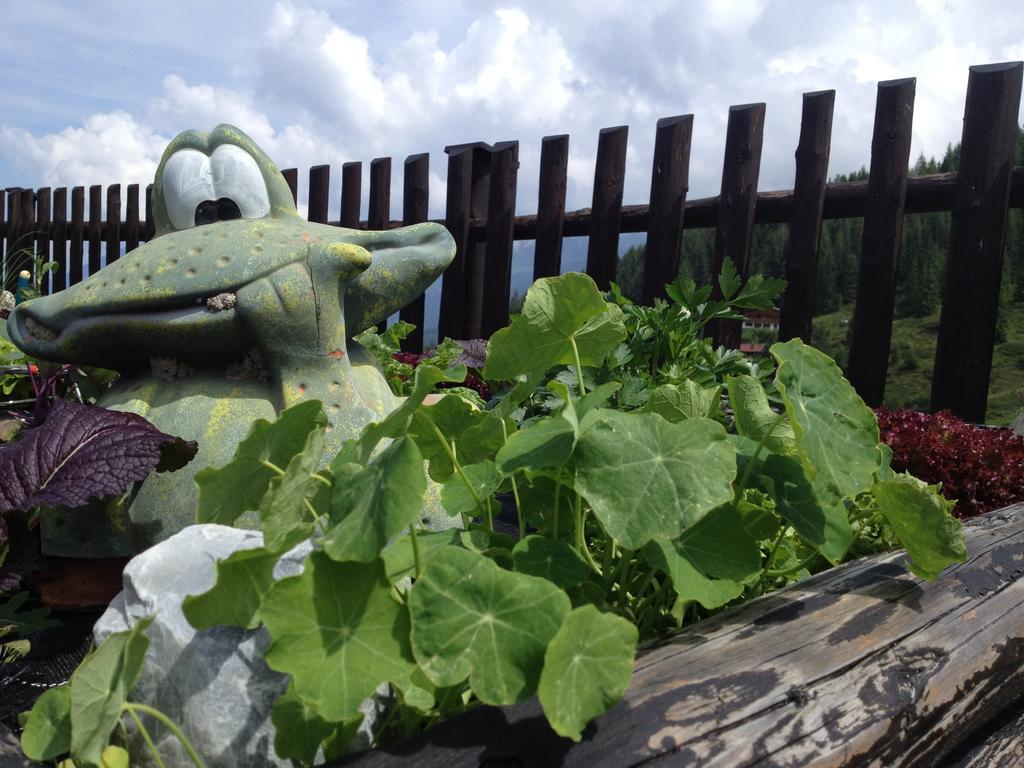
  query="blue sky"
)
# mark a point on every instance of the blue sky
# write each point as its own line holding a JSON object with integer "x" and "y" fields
{"x": 91, "y": 92}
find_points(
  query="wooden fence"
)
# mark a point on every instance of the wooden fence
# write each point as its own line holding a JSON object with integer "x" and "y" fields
{"x": 480, "y": 213}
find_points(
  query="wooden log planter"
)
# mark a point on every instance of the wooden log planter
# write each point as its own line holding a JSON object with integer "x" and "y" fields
{"x": 861, "y": 665}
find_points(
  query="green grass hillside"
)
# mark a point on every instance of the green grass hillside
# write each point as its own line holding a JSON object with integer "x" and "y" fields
{"x": 912, "y": 356}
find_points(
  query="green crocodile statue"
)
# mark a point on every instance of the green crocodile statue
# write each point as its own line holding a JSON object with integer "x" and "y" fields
{"x": 237, "y": 309}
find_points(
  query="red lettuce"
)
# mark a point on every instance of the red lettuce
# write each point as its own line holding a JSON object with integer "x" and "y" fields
{"x": 83, "y": 452}
{"x": 982, "y": 468}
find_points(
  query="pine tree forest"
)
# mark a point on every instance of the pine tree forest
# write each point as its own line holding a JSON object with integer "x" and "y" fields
{"x": 920, "y": 275}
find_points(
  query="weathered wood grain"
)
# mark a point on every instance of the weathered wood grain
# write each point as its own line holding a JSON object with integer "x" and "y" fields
{"x": 1000, "y": 746}
{"x": 862, "y": 665}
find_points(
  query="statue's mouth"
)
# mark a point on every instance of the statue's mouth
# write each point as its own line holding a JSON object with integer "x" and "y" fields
{"x": 193, "y": 328}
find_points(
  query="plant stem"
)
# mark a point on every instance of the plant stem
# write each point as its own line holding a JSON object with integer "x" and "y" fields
{"x": 515, "y": 489}
{"x": 320, "y": 479}
{"x": 169, "y": 724}
{"x": 585, "y": 551}
{"x": 415, "y": 550}
{"x": 579, "y": 366}
{"x": 317, "y": 518}
{"x": 272, "y": 467}
{"x": 450, "y": 450}
{"x": 145, "y": 735}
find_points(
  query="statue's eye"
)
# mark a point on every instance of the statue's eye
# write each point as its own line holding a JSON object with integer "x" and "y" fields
{"x": 237, "y": 178}
{"x": 200, "y": 189}
{"x": 187, "y": 182}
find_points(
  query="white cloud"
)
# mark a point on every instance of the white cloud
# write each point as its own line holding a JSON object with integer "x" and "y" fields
{"x": 332, "y": 83}
{"x": 108, "y": 148}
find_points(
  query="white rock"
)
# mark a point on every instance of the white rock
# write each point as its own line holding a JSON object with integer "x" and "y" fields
{"x": 213, "y": 683}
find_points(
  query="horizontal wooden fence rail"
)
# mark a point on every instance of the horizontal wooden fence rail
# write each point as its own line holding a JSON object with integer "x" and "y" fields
{"x": 482, "y": 181}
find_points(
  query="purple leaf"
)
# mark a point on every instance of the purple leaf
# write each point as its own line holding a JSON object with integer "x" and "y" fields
{"x": 473, "y": 353}
{"x": 84, "y": 452}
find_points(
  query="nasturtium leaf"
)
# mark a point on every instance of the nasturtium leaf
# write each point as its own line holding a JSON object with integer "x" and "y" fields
{"x": 678, "y": 402}
{"x": 923, "y": 524}
{"x": 477, "y": 434}
{"x": 587, "y": 669}
{"x": 47, "y": 733}
{"x": 396, "y": 423}
{"x": 100, "y": 686}
{"x": 836, "y": 434}
{"x": 551, "y": 559}
{"x": 557, "y": 312}
{"x": 476, "y": 539}
{"x": 371, "y": 505}
{"x": 284, "y": 516}
{"x": 546, "y": 443}
{"x": 417, "y": 691}
{"x": 84, "y": 452}
{"x": 14, "y": 619}
{"x": 718, "y": 545}
{"x": 755, "y": 418}
{"x": 472, "y": 619}
{"x": 398, "y": 557}
{"x": 243, "y": 578}
{"x": 689, "y": 583}
{"x": 644, "y": 476}
{"x": 237, "y": 487}
{"x": 537, "y": 497}
{"x": 457, "y": 497}
{"x": 339, "y": 743}
{"x": 300, "y": 729}
{"x": 337, "y": 630}
{"x": 823, "y": 522}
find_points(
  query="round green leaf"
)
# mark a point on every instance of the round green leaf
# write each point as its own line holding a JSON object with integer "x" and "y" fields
{"x": 923, "y": 524}
{"x": 646, "y": 477}
{"x": 47, "y": 733}
{"x": 836, "y": 433}
{"x": 371, "y": 505}
{"x": 339, "y": 633}
{"x": 587, "y": 669}
{"x": 472, "y": 619}
{"x": 557, "y": 312}
{"x": 100, "y": 686}
{"x": 300, "y": 729}
{"x": 243, "y": 579}
{"x": 237, "y": 487}
{"x": 456, "y": 495}
{"x": 551, "y": 559}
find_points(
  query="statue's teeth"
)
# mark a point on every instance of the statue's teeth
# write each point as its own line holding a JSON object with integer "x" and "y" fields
{"x": 220, "y": 302}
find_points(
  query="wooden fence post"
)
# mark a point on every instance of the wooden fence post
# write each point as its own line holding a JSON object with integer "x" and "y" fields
{"x": 501, "y": 209}
{"x": 415, "y": 202}
{"x": 149, "y": 227}
{"x": 737, "y": 203}
{"x": 554, "y": 162}
{"x": 94, "y": 228}
{"x": 76, "y": 254}
{"x": 319, "y": 190}
{"x": 669, "y": 181}
{"x": 880, "y": 243}
{"x": 131, "y": 219}
{"x": 970, "y": 300}
{"x": 113, "y": 223}
{"x": 351, "y": 194}
{"x": 291, "y": 178}
{"x": 378, "y": 215}
{"x": 43, "y": 234}
{"x": 454, "y": 282}
{"x": 805, "y": 221}
{"x": 606, "y": 210}
{"x": 60, "y": 237}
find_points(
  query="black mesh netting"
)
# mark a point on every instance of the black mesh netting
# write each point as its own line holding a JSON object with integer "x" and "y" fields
{"x": 52, "y": 657}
